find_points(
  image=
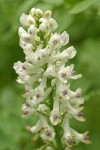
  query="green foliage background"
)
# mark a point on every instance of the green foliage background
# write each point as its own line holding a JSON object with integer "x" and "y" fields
{"x": 81, "y": 19}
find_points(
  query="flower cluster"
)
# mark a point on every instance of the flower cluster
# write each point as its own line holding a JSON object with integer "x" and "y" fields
{"x": 47, "y": 81}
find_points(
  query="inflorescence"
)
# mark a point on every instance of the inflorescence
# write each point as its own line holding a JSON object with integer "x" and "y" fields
{"x": 47, "y": 81}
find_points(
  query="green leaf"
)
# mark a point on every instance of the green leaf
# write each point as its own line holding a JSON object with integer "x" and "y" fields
{"x": 82, "y": 6}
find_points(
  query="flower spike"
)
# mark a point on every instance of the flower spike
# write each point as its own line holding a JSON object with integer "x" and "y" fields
{"x": 46, "y": 79}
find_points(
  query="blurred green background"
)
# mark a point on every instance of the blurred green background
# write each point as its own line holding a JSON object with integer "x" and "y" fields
{"x": 81, "y": 19}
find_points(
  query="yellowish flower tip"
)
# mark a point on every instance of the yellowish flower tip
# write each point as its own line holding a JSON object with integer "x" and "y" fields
{"x": 86, "y": 138}
{"x": 28, "y": 128}
{"x": 80, "y": 116}
{"x": 69, "y": 141}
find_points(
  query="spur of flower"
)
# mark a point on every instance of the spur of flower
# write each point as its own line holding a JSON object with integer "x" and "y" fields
{"x": 46, "y": 79}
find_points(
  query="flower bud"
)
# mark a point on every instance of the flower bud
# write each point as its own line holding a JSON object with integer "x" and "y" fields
{"x": 26, "y": 20}
{"x": 43, "y": 27}
{"x": 71, "y": 52}
{"x": 47, "y": 14}
{"x": 32, "y": 30}
{"x": 52, "y": 24}
{"x": 32, "y": 12}
{"x": 64, "y": 38}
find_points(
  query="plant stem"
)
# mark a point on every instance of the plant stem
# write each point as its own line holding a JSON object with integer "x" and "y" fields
{"x": 58, "y": 138}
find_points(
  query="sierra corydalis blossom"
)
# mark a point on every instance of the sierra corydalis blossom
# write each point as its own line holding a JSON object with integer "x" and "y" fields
{"x": 47, "y": 81}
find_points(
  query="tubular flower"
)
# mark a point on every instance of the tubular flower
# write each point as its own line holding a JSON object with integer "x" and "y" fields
{"x": 46, "y": 79}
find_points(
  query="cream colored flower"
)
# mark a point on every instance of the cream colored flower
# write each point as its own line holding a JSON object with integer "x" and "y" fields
{"x": 26, "y": 20}
{"x": 55, "y": 115}
{"x": 46, "y": 78}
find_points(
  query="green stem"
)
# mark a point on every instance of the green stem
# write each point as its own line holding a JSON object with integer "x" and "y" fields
{"x": 58, "y": 138}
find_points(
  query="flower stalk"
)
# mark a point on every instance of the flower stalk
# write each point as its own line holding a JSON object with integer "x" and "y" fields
{"x": 46, "y": 79}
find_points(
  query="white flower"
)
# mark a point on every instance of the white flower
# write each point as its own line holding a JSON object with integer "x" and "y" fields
{"x": 27, "y": 79}
{"x": 55, "y": 117}
{"x": 68, "y": 53}
{"x": 27, "y": 110}
{"x": 42, "y": 108}
{"x": 47, "y": 26}
{"x": 55, "y": 41}
{"x": 71, "y": 52}
{"x": 64, "y": 91}
{"x": 77, "y": 113}
{"x": 39, "y": 12}
{"x": 78, "y": 93}
{"x": 52, "y": 24}
{"x": 81, "y": 137}
{"x": 28, "y": 92}
{"x": 64, "y": 38}
{"x": 48, "y": 132}
{"x": 36, "y": 12}
{"x": 26, "y": 20}
{"x": 26, "y": 38}
{"x": 25, "y": 70}
{"x": 31, "y": 57}
{"x": 68, "y": 137}
{"x": 43, "y": 20}
{"x": 32, "y": 30}
{"x": 47, "y": 14}
{"x": 32, "y": 12}
{"x": 43, "y": 27}
{"x": 41, "y": 92}
{"x": 21, "y": 31}
{"x": 18, "y": 66}
{"x": 43, "y": 53}
{"x": 46, "y": 78}
{"x": 76, "y": 99}
{"x": 66, "y": 73}
{"x": 35, "y": 128}
{"x": 55, "y": 113}
{"x": 50, "y": 71}
{"x": 26, "y": 46}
